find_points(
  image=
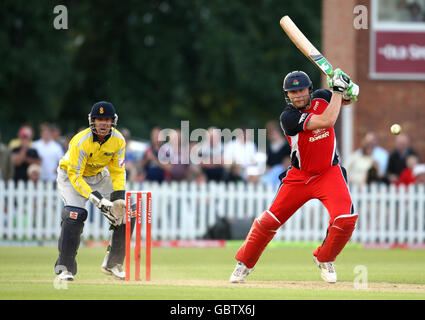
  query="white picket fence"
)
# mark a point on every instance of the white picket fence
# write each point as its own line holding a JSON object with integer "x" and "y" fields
{"x": 186, "y": 211}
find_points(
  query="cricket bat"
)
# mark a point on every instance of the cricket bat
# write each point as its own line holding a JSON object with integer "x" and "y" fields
{"x": 305, "y": 46}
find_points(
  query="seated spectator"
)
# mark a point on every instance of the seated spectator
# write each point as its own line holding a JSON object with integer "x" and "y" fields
{"x": 397, "y": 160}
{"x": 24, "y": 155}
{"x": 57, "y": 136}
{"x": 419, "y": 173}
{"x": 241, "y": 151}
{"x": 379, "y": 154}
{"x": 196, "y": 175}
{"x": 34, "y": 172}
{"x": 179, "y": 169}
{"x": 211, "y": 153}
{"x": 407, "y": 177}
{"x": 277, "y": 147}
{"x": 6, "y": 162}
{"x": 234, "y": 174}
{"x": 271, "y": 177}
{"x": 50, "y": 152}
{"x": 153, "y": 168}
{"x": 361, "y": 167}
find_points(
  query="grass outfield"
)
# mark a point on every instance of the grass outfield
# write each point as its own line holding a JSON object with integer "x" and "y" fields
{"x": 202, "y": 273}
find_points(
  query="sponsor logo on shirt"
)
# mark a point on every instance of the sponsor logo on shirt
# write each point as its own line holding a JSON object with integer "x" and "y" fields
{"x": 319, "y": 136}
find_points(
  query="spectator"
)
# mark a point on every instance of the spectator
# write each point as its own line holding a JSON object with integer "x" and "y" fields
{"x": 6, "y": 163}
{"x": 153, "y": 168}
{"x": 379, "y": 154}
{"x": 130, "y": 156}
{"x": 397, "y": 159}
{"x": 179, "y": 169}
{"x": 50, "y": 152}
{"x": 56, "y": 133}
{"x": 34, "y": 172}
{"x": 234, "y": 174}
{"x": 241, "y": 151}
{"x": 407, "y": 177}
{"x": 253, "y": 175}
{"x": 211, "y": 152}
{"x": 419, "y": 173}
{"x": 361, "y": 167}
{"x": 271, "y": 177}
{"x": 24, "y": 155}
{"x": 197, "y": 175}
{"x": 277, "y": 147}
{"x": 415, "y": 10}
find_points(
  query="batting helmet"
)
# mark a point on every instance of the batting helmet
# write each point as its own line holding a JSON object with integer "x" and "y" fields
{"x": 296, "y": 80}
{"x": 103, "y": 109}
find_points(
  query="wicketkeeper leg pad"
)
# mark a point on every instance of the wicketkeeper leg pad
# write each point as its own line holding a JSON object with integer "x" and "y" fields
{"x": 69, "y": 241}
{"x": 116, "y": 247}
{"x": 339, "y": 232}
{"x": 261, "y": 233}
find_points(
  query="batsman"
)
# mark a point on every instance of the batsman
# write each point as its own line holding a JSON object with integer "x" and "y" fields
{"x": 93, "y": 170}
{"x": 315, "y": 172}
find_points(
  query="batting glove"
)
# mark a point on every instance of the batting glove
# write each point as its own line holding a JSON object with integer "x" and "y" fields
{"x": 339, "y": 82}
{"x": 352, "y": 92}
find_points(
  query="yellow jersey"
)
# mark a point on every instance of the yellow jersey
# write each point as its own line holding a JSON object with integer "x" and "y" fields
{"x": 86, "y": 157}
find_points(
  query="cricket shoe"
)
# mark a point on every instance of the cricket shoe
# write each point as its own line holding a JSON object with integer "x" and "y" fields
{"x": 66, "y": 276}
{"x": 115, "y": 271}
{"x": 240, "y": 273}
{"x": 328, "y": 270}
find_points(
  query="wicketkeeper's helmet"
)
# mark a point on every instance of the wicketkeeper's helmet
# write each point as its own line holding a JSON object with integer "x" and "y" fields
{"x": 296, "y": 80}
{"x": 103, "y": 109}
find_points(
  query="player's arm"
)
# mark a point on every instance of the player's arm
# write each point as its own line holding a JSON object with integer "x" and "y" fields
{"x": 116, "y": 169}
{"x": 328, "y": 118}
{"x": 341, "y": 85}
{"x": 77, "y": 159}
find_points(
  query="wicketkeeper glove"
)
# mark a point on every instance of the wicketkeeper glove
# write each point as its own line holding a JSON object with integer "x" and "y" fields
{"x": 106, "y": 207}
{"x": 118, "y": 205}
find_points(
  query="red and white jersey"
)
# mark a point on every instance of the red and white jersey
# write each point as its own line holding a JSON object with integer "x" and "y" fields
{"x": 311, "y": 150}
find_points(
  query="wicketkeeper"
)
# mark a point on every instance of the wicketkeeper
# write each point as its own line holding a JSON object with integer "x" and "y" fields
{"x": 315, "y": 172}
{"x": 93, "y": 169}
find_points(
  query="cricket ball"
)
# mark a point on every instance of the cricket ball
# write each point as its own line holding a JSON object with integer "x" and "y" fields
{"x": 395, "y": 129}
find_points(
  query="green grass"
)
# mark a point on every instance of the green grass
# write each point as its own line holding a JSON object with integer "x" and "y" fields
{"x": 202, "y": 273}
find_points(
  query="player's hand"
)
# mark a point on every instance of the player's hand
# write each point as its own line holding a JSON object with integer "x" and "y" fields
{"x": 339, "y": 82}
{"x": 105, "y": 207}
{"x": 351, "y": 93}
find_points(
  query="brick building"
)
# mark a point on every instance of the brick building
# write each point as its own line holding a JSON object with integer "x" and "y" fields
{"x": 384, "y": 99}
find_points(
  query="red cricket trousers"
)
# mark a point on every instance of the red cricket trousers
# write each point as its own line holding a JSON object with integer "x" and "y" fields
{"x": 298, "y": 187}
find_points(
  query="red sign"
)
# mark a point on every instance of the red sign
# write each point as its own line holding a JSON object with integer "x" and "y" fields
{"x": 398, "y": 55}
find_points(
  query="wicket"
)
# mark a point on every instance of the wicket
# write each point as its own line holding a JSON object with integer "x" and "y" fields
{"x": 138, "y": 226}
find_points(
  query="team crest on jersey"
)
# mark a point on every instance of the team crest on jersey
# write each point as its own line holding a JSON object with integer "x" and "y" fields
{"x": 73, "y": 215}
